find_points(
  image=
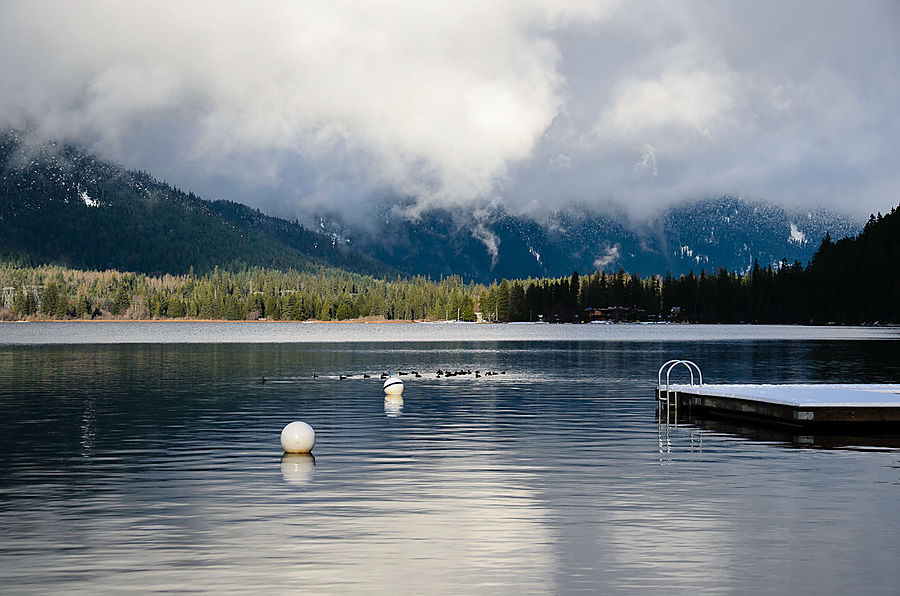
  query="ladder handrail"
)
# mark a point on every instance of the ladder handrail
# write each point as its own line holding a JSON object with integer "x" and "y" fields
{"x": 671, "y": 364}
{"x": 691, "y": 366}
{"x": 688, "y": 364}
{"x": 659, "y": 372}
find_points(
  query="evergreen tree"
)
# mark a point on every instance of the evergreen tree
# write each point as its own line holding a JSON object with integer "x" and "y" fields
{"x": 468, "y": 309}
{"x": 175, "y": 308}
{"x": 122, "y": 300}
{"x": 50, "y": 299}
{"x": 344, "y": 312}
{"x": 82, "y": 304}
{"x": 517, "y": 302}
{"x": 233, "y": 309}
{"x": 271, "y": 310}
{"x": 574, "y": 294}
{"x": 503, "y": 301}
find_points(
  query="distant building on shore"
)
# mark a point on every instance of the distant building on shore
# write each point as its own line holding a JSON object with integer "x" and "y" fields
{"x": 617, "y": 314}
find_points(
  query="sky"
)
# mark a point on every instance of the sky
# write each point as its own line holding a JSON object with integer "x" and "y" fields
{"x": 536, "y": 104}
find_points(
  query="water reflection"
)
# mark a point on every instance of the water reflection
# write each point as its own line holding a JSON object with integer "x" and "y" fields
{"x": 393, "y": 405}
{"x": 88, "y": 427}
{"x": 878, "y": 438}
{"x": 297, "y": 468}
{"x": 547, "y": 482}
{"x": 667, "y": 441}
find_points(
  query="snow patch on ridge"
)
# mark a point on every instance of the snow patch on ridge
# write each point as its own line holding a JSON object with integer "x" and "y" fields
{"x": 88, "y": 200}
{"x": 797, "y": 236}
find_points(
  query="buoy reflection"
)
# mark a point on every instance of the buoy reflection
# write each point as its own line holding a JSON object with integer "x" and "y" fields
{"x": 297, "y": 468}
{"x": 393, "y": 405}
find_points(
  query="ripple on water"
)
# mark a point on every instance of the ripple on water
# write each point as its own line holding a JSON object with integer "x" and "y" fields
{"x": 159, "y": 467}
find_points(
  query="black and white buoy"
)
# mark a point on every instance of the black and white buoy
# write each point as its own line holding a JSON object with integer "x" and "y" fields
{"x": 393, "y": 386}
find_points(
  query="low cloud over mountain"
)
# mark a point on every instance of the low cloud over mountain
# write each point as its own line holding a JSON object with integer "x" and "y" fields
{"x": 285, "y": 105}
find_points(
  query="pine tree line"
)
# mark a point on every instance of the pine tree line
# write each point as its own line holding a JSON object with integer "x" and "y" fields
{"x": 56, "y": 292}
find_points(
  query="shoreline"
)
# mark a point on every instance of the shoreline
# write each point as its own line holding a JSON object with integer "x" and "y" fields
{"x": 185, "y": 320}
{"x": 449, "y": 321}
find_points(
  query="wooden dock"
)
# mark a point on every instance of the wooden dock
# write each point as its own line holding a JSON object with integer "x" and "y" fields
{"x": 798, "y": 406}
{"x": 864, "y": 437}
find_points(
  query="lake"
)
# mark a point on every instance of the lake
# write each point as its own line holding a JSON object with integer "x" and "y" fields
{"x": 146, "y": 457}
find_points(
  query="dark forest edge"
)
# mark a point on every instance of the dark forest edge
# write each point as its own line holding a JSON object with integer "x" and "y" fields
{"x": 851, "y": 281}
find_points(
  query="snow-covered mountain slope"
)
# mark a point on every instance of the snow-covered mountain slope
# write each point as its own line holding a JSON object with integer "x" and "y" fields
{"x": 486, "y": 244}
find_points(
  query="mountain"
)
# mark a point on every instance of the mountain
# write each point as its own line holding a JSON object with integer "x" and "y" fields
{"x": 487, "y": 244}
{"x": 61, "y": 205}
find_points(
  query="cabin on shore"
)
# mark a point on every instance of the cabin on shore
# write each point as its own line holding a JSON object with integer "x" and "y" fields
{"x": 617, "y": 314}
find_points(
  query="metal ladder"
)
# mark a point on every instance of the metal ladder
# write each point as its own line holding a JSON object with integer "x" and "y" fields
{"x": 671, "y": 397}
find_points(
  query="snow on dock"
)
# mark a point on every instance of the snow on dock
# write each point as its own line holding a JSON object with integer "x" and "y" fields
{"x": 797, "y": 405}
{"x": 793, "y": 404}
{"x": 804, "y": 396}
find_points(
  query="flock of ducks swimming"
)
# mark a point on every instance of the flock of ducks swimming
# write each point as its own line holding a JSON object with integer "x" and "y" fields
{"x": 440, "y": 374}
{"x": 454, "y": 373}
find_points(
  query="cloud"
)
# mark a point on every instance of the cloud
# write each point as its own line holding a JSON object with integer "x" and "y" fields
{"x": 786, "y": 102}
{"x": 608, "y": 256}
{"x": 283, "y": 105}
{"x": 481, "y": 231}
{"x": 647, "y": 164}
{"x": 431, "y": 99}
{"x": 692, "y": 102}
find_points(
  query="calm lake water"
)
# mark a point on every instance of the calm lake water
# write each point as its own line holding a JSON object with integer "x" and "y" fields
{"x": 146, "y": 457}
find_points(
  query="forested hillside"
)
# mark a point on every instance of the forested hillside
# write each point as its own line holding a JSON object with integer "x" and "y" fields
{"x": 484, "y": 244}
{"x": 60, "y": 205}
{"x": 856, "y": 280}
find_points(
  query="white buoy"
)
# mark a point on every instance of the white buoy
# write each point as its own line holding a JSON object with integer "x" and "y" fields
{"x": 393, "y": 386}
{"x": 298, "y": 437}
